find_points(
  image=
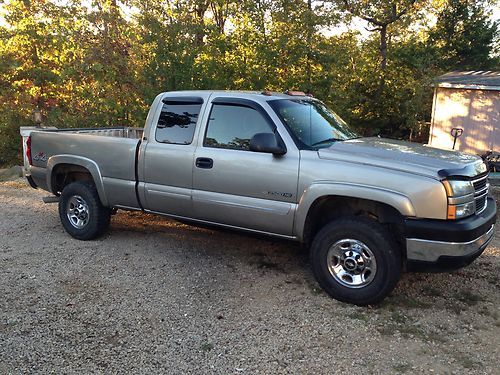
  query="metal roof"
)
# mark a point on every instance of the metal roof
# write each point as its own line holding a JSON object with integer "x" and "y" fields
{"x": 474, "y": 80}
{"x": 264, "y": 96}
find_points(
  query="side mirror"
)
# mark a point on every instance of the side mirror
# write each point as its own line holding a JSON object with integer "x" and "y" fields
{"x": 267, "y": 142}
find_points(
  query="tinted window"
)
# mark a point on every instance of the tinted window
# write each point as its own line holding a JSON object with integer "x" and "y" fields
{"x": 177, "y": 122}
{"x": 233, "y": 126}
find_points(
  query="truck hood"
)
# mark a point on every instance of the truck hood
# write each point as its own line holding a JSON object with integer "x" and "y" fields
{"x": 404, "y": 156}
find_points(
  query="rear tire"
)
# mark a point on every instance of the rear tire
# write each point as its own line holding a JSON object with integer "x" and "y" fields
{"x": 81, "y": 212}
{"x": 356, "y": 260}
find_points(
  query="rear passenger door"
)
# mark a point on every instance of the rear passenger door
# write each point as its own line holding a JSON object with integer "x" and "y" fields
{"x": 235, "y": 186}
{"x": 168, "y": 155}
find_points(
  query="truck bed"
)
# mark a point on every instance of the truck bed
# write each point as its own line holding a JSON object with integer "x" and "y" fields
{"x": 113, "y": 150}
{"x": 117, "y": 132}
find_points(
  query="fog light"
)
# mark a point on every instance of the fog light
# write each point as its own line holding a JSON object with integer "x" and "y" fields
{"x": 461, "y": 210}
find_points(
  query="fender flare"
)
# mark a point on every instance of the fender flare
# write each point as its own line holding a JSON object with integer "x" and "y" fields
{"x": 317, "y": 190}
{"x": 81, "y": 161}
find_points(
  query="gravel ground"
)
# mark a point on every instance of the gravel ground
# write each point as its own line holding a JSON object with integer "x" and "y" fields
{"x": 157, "y": 296}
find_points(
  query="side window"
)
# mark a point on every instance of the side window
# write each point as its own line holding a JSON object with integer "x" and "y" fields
{"x": 232, "y": 127}
{"x": 177, "y": 122}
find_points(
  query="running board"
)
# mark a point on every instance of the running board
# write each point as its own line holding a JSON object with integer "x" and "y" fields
{"x": 50, "y": 199}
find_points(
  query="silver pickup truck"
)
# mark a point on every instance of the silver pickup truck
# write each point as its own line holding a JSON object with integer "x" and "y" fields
{"x": 277, "y": 164}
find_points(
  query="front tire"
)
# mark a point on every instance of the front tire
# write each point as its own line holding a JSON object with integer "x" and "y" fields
{"x": 81, "y": 212}
{"x": 356, "y": 260}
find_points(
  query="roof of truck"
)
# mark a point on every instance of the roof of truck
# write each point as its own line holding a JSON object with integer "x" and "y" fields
{"x": 262, "y": 95}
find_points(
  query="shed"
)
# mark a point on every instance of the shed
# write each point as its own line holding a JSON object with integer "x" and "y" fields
{"x": 468, "y": 101}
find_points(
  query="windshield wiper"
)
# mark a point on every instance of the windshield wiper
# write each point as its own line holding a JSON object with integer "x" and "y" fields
{"x": 326, "y": 141}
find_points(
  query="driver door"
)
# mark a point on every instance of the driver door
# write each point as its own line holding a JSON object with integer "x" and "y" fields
{"x": 238, "y": 187}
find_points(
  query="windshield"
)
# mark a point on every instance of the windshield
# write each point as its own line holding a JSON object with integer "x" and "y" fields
{"x": 311, "y": 122}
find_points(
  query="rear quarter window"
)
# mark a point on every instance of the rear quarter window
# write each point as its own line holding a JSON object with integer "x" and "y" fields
{"x": 177, "y": 122}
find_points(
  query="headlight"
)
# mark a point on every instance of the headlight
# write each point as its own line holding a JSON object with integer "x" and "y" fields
{"x": 461, "y": 201}
{"x": 456, "y": 188}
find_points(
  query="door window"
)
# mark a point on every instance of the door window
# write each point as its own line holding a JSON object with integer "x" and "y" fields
{"x": 177, "y": 122}
{"x": 232, "y": 127}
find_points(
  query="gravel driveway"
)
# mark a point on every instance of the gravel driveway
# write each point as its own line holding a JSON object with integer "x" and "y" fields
{"x": 157, "y": 296}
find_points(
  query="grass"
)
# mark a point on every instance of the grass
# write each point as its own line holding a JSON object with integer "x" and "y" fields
{"x": 486, "y": 312}
{"x": 402, "y": 301}
{"x": 436, "y": 337}
{"x": 399, "y": 318}
{"x": 206, "y": 347}
{"x": 494, "y": 279}
{"x": 408, "y": 331}
{"x": 469, "y": 298}
{"x": 401, "y": 368}
{"x": 315, "y": 288}
{"x": 466, "y": 361}
{"x": 14, "y": 184}
{"x": 431, "y": 292}
{"x": 388, "y": 330}
{"x": 360, "y": 316}
{"x": 406, "y": 327}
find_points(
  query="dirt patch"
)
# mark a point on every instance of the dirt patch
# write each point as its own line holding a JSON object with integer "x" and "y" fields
{"x": 157, "y": 296}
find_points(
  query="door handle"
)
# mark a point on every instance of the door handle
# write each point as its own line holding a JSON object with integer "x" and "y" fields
{"x": 205, "y": 163}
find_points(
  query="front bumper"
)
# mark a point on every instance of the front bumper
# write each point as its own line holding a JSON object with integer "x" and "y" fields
{"x": 438, "y": 245}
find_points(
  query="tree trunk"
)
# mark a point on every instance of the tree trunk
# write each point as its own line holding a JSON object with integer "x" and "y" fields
{"x": 200, "y": 11}
{"x": 383, "y": 47}
{"x": 383, "y": 59}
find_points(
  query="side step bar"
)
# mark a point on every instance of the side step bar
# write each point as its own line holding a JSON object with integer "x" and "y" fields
{"x": 50, "y": 199}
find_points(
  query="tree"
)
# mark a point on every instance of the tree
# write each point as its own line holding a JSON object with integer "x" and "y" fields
{"x": 464, "y": 36}
{"x": 101, "y": 62}
{"x": 35, "y": 53}
{"x": 380, "y": 14}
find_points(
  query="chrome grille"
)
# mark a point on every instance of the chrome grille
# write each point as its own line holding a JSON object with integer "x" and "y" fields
{"x": 481, "y": 187}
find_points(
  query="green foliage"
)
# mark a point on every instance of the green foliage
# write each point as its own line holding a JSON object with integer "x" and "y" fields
{"x": 464, "y": 35}
{"x": 101, "y": 63}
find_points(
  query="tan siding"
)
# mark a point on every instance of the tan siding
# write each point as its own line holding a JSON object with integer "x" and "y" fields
{"x": 476, "y": 111}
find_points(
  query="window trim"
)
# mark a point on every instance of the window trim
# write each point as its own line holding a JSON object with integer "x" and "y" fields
{"x": 239, "y": 102}
{"x": 183, "y": 100}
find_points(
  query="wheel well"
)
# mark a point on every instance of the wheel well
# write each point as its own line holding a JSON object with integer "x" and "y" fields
{"x": 326, "y": 209}
{"x": 64, "y": 174}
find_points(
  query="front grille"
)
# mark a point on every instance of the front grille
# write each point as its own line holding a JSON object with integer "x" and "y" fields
{"x": 481, "y": 187}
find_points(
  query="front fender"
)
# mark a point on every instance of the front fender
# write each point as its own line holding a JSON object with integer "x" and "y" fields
{"x": 81, "y": 161}
{"x": 317, "y": 190}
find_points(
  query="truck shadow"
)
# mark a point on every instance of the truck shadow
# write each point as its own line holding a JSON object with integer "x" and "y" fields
{"x": 257, "y": 253}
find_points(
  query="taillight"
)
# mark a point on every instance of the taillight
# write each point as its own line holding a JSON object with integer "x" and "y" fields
{"x": 28, "y": 150}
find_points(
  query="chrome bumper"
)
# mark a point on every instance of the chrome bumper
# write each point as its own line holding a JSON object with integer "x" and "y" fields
{"x": 431, "y": 251}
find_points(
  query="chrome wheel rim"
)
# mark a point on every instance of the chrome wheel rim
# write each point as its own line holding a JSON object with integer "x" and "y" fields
{"x": 351, "y": 263}
{"x": 77, "y": 212}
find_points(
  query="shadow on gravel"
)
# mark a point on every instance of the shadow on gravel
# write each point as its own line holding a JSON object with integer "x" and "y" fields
{"x": 415, "y": 290}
